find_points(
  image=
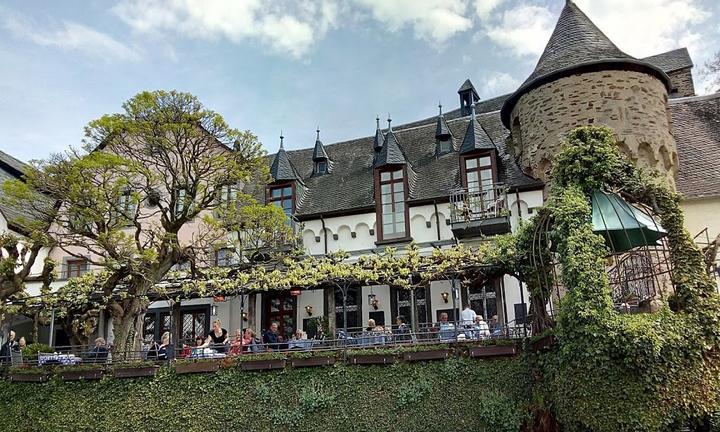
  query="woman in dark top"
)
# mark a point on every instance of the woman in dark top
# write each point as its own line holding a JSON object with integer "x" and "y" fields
{"x": 165, "y": 350}
{"x": 218, "y": 337}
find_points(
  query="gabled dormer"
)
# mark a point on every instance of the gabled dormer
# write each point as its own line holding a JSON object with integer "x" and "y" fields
{"x": 286, "y": 182}
{"x": 478, "y": 157}
{"x": 321, "y": 161}
{"x": 468, "y": 97}
{"x": 443, "y": 136}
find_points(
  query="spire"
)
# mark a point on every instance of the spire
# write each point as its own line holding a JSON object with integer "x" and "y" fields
{"x": 442, "y": 131}
{"x": 319, "y": 152}
{"x": 281, "y": 168}
{"x": 468, "y": 96}
{"x": 576, "y": 44}
{"x": 476, "y": 138}
{"x": 391, "y": 153}
{"x": 378, "y": 141}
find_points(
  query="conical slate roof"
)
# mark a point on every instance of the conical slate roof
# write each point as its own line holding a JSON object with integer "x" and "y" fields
{"x": 476, "y": 138}
{"x": 378, "y": 140}
{"x": 576, "y": 45}
{"x": 468, "y": 85}
{"x": 319, "y": 152}
{"x": 390, "y": 154}
{"x": 282, "y": 169}
{"x": 442, "y": 131}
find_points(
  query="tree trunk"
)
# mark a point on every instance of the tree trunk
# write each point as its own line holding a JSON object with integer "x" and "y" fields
{"x": 128, "y": 316}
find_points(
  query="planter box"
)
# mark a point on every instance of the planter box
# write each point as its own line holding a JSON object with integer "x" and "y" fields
{"x": 39, "y": 377}
{"x": 197, "y": 367}
{"x": 81, "y": 375}
{"x": 252, "y": 365}
{"x": 440, "y": 354}
{"x": 493, "y": 351}
{"x": 135, "y": 372}
{"x": 371, "y": 359}
{"x": 312, "y": 361}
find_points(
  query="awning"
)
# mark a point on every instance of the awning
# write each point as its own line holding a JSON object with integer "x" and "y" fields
{"x": 623, "y": 226}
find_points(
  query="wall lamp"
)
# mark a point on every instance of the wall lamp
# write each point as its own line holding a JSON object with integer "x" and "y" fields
{"x": 309, "y": 309}
{"x": 445, "y": 296}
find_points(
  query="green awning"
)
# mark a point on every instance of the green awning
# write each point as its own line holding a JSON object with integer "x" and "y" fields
{"x": 623, "y": 226}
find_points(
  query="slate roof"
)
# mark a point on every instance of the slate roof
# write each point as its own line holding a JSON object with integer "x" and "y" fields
{"x": 475, "y": 137}
{"x": 11, "y": 169}
{"x": 577, "y": 44}
{"x": 319, "y": 152}
{"x": 379, "y": 137}
{"x": 281, "y": 168}
{"x": 671, "y": 61}
{"x": 468, "y": 85}
{"x": 390, "y": 153}
{"x": 696, "y": 127}
{"x": 441, "y": 128}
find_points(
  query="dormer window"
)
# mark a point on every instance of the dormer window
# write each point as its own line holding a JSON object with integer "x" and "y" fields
{"x": 282, "y": 196}
{"x": 444, "y": 147}
{"x": 321, "y": 167}
{"x": 392, "y": 210}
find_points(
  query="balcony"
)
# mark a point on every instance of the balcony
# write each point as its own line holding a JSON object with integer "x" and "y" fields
{"x": 479, "y": 212}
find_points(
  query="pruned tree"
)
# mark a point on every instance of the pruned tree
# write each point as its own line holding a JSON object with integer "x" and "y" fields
{"x": 712, "y": 72}
{"x": 140, "y": 198}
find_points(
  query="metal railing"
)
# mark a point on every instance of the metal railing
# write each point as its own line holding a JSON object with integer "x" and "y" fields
{"x": 472, "y": 205}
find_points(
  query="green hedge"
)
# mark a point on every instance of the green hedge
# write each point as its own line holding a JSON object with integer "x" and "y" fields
{"x": 457, "y": 394}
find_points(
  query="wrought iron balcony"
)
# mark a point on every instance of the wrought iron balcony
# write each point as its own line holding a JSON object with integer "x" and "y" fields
{"x": 479, "y": 212}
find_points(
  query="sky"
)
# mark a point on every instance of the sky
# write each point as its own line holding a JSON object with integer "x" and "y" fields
{"x": 295, "y": 65}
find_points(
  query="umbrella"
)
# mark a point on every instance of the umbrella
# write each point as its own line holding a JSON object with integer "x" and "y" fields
{"x": 623, "y": 226}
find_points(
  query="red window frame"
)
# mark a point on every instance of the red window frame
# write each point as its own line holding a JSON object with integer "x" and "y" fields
{"x": 391, "y": 182}
{"x": 75, "y": 268}
{"x": 269, "y": 199}
{"x": 478, "y": 168}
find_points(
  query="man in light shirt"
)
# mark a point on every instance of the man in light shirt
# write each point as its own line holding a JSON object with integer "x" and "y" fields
{"x": 468, "y": 315}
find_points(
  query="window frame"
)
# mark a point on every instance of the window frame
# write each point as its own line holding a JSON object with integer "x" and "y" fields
{"x": 478, "y": 155}
{"x": 378, "y": 202}
{"x": 317, "y": 167}
{"x": 269, "y": 199}
{"x": 82, "y": 267}
{"x": 229, "y": 251}
{"x": 126, "y": 207}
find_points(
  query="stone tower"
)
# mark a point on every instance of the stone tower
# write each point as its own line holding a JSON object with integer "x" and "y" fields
{"x": 582, "y": 79}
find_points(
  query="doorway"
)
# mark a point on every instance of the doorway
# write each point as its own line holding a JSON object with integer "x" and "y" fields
{"x": 280, "y": 308}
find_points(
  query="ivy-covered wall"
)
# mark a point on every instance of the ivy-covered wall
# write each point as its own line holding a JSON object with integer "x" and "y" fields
{"x": 457, "y": 394}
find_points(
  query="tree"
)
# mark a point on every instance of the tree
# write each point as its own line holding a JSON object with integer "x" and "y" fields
{"x": 712, "y": 72}
{"x": 140, "y": 198}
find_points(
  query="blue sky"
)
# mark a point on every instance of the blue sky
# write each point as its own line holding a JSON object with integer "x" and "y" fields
{"x": 295, "y": 65}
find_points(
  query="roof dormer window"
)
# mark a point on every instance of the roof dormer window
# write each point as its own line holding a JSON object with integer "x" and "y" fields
{"x": 321, "y": 167}
{"x": 320, "y": 157}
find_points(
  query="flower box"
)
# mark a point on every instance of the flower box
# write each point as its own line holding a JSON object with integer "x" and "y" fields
{"x": 77, "y": 375}
{"x": 28, "y": 377}
{"x": 371, "y": 359}
{"x": 266, "y": 364}
{"x": 439, "y": 354}
{"x": 493, "y": 351}
{"x": 134, "y": 372}
{"x": 197, "y": 367}
{"x": 312, "y": 361}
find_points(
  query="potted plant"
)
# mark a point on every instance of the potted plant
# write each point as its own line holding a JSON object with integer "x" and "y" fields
{"x": 494, "y": 348}
{"x": 312, "y": 358}
{"x": 80, "y": 372}
{"x": 135, "y": 369}
{"x": 28, "y": 374}
{"x": 426, "y": 352}
{"x": 372, "y": 356}
{"x": 262, "y": 361}
{"x": 30, "y": 352}
{"x": 196, "y": 366}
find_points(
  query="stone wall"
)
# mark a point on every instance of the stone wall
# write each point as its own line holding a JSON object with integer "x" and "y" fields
{"x": 682, "y": 83}
{"x": 633, "y": 104}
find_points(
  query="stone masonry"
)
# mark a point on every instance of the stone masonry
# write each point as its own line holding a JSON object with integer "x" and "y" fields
{"x": 632, "y": 104}
{"x": 682, "y": 83}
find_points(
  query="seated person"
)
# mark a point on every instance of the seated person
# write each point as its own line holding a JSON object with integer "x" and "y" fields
{"x": 447, "y": 329}
{"x": 249, "y": 342}
{"x": 299, "y": 341}
{"x": 165, "y": 351}
{"x": 218, "y": 338}
{"x": 495, "y": 327}
{"x": 197, "y": 350}
{"x": 99, "y": 353}
{"x": 480, "y": 329}
{"x": 272, "y": 339}
{"x": 236, "y": 344}
{"x": 402, "y": 332}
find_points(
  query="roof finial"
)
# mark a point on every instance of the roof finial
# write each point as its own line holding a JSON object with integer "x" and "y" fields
{"x": 281, "y": 140}
{"x": 440, "y": 106}
{"x": 472, "y": 111}
{"x": 318, "y": 133}
{"x": 389, "y": 123}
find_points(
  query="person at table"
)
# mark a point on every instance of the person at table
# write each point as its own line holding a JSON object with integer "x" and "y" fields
{"x": 447, "y": 329}
{"x": 8, "y": 347}
{"x": 165, "y": 351}
{"x": 481, "y": 330}
{"x": 468, "y": 315}
{"x": 299, "y": 341}
{"x": 237, "y": 343}
{"x": 218, "y": 338}
{"x": 272, "y": 339}
{"x": 495, "y": 327}
{"x": 402, "y": 332}
{"x": 250, "y": 343}
{"x": 99, "y": 353}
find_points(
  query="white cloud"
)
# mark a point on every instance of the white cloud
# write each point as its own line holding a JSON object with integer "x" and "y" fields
{"x": 495, "y": 83}
{"x": 432, "y": 20}
{"x": 484, "y": 8}
{"x": 524, "y": 30}
{"x": 69, "y": 36}
{"x": 288, "y": 27}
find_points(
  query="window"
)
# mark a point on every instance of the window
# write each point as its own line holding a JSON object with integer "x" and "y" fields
{"x": 444, "y": 146}
{"x": 321, "y": 167}
{"x": 483, "y": 299}
{"x": 225, "y": 257}
{"x": 392, "y": 204}
{"x": 181, "y": 201}
{"x": 75, "y": 268}
{"x": 282, "y": 196}
{"x": 227, "y": 194}
{"x": 127, "y": 205}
